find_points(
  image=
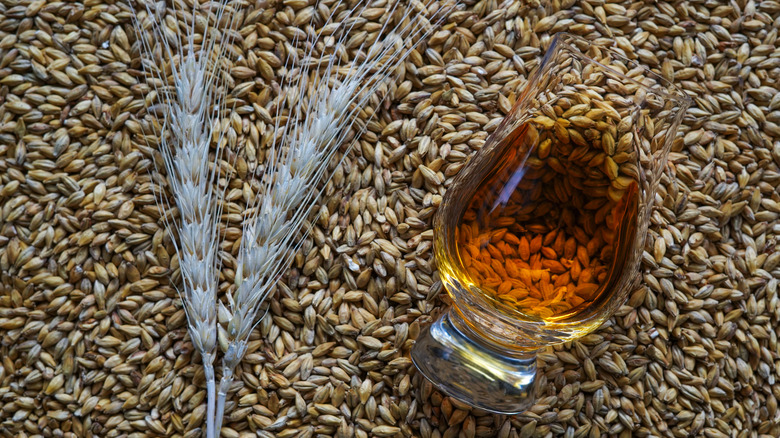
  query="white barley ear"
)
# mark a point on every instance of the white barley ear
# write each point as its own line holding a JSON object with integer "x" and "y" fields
{"x": 182, "y": 51}
{"x": 325, "y": 94}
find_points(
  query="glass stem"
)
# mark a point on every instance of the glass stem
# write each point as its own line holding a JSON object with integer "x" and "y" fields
{"x": 470, "y": 368}
{"x": 460, "y": 324}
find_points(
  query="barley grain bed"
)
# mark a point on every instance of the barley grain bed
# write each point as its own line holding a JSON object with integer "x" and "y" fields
{"x": 93, "y": 337}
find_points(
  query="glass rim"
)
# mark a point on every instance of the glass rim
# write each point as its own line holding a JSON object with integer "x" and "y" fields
{"x": 668, "y": 90}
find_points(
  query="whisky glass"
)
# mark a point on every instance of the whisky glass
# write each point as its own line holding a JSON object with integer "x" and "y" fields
{"x": 539, "y": 237}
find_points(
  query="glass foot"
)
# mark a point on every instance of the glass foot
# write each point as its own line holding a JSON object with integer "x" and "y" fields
{"x": 468, "y": 369}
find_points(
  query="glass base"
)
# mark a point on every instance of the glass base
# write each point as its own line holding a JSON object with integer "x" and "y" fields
{"x": 467, "y": 368}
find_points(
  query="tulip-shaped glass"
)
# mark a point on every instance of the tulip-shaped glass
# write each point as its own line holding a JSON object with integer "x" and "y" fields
{"x": 539, "y": 237}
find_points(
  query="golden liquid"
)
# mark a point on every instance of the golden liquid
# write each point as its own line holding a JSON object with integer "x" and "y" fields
{"x": 550, "y": 227}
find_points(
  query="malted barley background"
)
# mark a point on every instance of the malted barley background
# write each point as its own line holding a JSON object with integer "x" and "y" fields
{"x": 93, "y": 336}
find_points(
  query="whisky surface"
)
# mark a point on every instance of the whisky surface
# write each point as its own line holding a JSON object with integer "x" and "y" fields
{"x": 549, "y": 228}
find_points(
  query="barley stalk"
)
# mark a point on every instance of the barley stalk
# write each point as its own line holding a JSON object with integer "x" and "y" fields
{"x": 325, "y": 101}
{"x": 192, "y": 97}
